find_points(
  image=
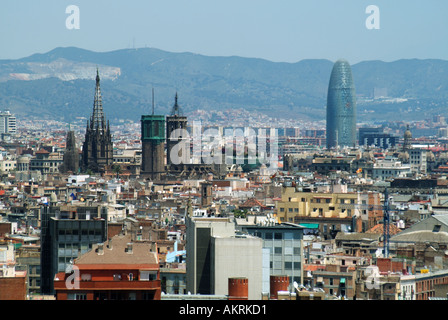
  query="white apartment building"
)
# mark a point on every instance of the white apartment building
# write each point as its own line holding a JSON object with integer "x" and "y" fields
{"x": 390, "y": 168}
{"x": 417, "y": 160}
{"x": 8, "y": 124}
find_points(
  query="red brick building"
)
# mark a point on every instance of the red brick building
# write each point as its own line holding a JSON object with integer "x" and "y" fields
{"x": 13, "y": 288}
{"x": 116, "y": 270}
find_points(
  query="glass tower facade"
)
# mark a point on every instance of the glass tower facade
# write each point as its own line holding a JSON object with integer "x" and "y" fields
{"x": 341, "y": 107}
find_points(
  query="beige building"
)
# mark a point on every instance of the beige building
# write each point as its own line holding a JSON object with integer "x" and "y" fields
{"x": 331, "y": 211}
{"x": 295, "y": 204}
{"x": 7, "y": 164}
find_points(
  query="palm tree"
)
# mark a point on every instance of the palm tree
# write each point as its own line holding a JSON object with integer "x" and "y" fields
{"x": 117, "y": 169}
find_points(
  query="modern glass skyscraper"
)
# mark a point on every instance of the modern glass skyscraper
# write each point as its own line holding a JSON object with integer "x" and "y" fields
{"x": 341, "y": 107}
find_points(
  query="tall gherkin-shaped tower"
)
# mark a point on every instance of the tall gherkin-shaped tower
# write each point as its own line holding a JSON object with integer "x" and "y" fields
{"x": 341, "y": 107}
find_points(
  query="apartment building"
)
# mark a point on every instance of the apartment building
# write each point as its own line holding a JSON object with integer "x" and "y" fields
{"x": 333, "y": 211}
{"x": 118, "y": 269}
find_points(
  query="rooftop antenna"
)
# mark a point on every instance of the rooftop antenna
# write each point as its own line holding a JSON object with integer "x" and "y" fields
{"x": 153, "y": 100}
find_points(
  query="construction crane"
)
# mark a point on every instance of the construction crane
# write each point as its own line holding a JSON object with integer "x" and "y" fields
{"x": 386, "y": 217}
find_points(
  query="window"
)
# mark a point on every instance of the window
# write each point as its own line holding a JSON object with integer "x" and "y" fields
{"x": 278, "y": 236}
{"x": 148, "y": 275}
{"x": 86, "y": 277}
{"x": 80, "y": 296}
{"x": 436, "y": 228}
{"x": 278, "y": 250}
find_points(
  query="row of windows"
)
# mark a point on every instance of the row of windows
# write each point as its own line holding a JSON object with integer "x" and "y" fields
{"x": 326, "y": 200}
{"x": 287, "y": 265}
{"x": 321, "y": 210}
{"x": 277, "y": 235}
{"x": 287, "y": 251}
{"x": 84, "y": 232}
{"x": 122, "y": 159}
{"x": 389, "y": 172}
{"x": 296, "y": 210}
{"x": 45, "y": 164}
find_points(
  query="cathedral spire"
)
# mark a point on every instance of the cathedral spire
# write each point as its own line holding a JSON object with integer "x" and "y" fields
{"x": 97, "y": 151}
{"x": 175, "y": 111}
{"x": 97, "y": 119}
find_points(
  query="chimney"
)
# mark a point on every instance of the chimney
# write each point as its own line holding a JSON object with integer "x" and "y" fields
{"x": 100, "y": 249}
{"x": 109, "y": 244}
{"x": 129, "y": 248}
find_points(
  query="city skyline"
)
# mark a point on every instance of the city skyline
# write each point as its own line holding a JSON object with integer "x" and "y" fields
{"x": 277, "y": 174}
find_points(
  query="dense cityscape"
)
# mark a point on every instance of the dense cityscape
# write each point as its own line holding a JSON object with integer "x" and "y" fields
{"x": 276, "y": 210}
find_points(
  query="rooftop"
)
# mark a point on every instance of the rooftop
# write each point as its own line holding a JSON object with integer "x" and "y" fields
{"x": 117, "y": 252}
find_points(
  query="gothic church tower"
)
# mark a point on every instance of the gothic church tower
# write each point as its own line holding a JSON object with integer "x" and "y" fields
{"x": 97, "y": 151}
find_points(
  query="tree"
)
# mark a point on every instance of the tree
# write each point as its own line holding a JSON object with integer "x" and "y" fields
{"x": 117, "y": 170}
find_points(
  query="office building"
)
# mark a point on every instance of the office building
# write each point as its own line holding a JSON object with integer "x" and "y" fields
{"x": 216, "y": 253}
{"x": 341, "y": 107}
{"x": 68, "y": 231}
{"x": 284, "y": 244}
{"x": 8, "y": 125}
{"x": 375, "y": 137}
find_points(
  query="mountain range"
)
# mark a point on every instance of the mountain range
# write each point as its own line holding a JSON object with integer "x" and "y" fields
{"x": 60, "y": 84}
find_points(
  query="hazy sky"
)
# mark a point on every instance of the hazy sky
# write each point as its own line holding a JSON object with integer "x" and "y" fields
{"x": 282, "y": 30}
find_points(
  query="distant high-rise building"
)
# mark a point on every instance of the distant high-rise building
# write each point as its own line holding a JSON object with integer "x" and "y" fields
{"x": 97, "y": 151}
{"x": 376, "y": 137}
{"x": 8, "y": 126}
{"x": 341, "y": 107}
